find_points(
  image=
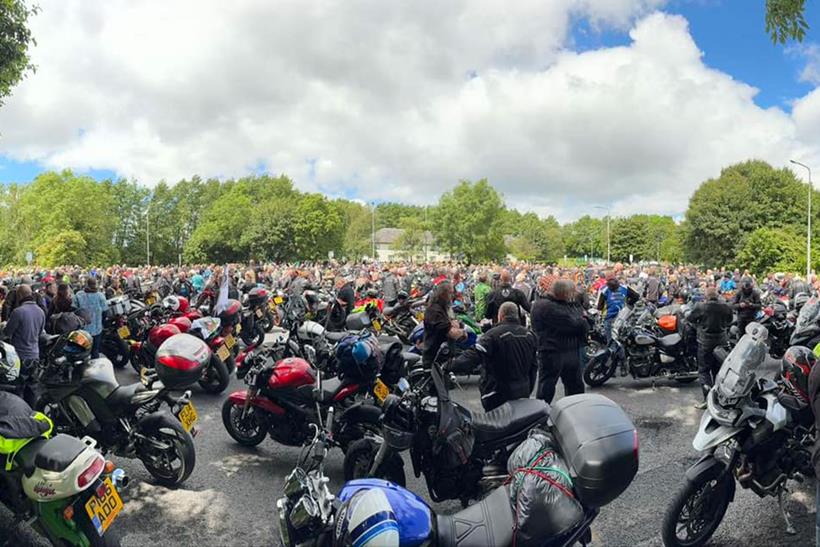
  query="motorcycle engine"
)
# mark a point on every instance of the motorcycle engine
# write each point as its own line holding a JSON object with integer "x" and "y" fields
{"x": 640, "y": 360}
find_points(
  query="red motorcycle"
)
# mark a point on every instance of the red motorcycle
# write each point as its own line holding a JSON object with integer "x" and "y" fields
{"x": 286, "y": 395}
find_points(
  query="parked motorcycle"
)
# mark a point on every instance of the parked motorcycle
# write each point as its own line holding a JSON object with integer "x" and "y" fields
{"x": 116, "y": 332}
{"x": 592, "y": 432}
{"x": 807, "y": 329}
{"x": 83, "y": 397}
{"x": 60, "y": 485}
{"x": 754, "y": 433}
{"x": 637, "y": 351}
{"x": 425, "y": 419}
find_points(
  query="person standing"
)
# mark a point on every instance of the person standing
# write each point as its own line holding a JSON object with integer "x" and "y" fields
{"x": 561, "y": 328}
{"x": 439, "y": 327}
{"x": 480, "y": 293}
{"x": 747, "y": 303}
{"x": 612, "y": 299}
{"x": 506, "y": 293}
{"x": 91, "y": 303}
{"x": 652, "y": 288}
{"x": 391, "y": 287}
{"x": 711, "y": 317}
{"x": 23, "y": 329}
{"x": 507, "y": 352}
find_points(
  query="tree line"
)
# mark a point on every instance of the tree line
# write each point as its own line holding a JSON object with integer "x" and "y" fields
{"x": 751, "y": 216}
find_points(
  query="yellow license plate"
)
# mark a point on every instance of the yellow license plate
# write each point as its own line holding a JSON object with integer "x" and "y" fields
{"x": 124, "y": 332}
{"x": 420, "y": 316}
{"x": 238, "y": 328}
{"x": 230, "y": 341}
{"x": 380, "y": 390}
{"x": 377, "y": 324}
{"x": 278, "y": 300}
{"x": 187, "y": 416}
{"x": 103, "y": 511}
{"x": 259, "y": 314}
{"x": 223, "y": 352}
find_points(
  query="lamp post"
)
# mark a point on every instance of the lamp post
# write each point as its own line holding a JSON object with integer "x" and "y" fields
{"x": 608, "y": 216}
{"x": 373, "y": 229}
{"x": 808, "y": 223}
{"x": 148, "y": 235}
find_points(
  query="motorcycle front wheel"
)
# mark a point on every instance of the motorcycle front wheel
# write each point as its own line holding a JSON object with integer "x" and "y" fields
{"x": 255, "y": 336}
{"x": 216, "y": 377}
{"x": 599, "y": 369}
{"x": 116, "y": 350}
{"x": 248, "y": 431}
{"x": 697, "y": 510}
{"x": 359, "y": 459}
{"x": 171, "y": 466}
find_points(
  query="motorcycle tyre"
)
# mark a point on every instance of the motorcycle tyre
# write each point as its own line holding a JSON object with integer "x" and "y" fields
{"x": 670, "y": 519}
{"x": 257, "y": 338}
{"x": 253, "y": 440}
{"x": 187, "y": 451}
{"x": 392, "y": 469}
{"x": 220, "y": 377}
{"x": 599, "y": 381}
{"x": 116, "y": 350}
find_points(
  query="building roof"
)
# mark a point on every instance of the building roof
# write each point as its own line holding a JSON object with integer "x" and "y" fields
{"x": 391, "y": 235}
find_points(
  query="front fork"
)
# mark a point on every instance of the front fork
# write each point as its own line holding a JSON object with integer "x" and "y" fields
{"x": 383, "y": 452}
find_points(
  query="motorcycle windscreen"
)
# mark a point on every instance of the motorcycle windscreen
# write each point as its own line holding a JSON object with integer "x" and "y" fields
{"x": 740, "y": 369}
{"x": 621, "y": 320}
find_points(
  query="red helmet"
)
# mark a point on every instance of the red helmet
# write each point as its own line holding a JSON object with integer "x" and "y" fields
{"x": 184, "y": 305}
{"x": 181, "y": 322}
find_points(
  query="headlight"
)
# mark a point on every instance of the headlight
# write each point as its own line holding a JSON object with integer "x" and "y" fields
{"x": 295, "y": 483}
{"x": 304, "y": 512}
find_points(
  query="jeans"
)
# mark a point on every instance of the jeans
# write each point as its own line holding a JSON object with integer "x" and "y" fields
{"x": 566, "y": 365}
{"x": 95, "y": 346}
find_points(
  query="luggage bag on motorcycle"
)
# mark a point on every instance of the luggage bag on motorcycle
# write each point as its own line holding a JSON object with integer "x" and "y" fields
{"x": 180, "y": 361}
{"x": 358, "y": 368}
{"x": 600, "y": 445}
{"x": 119, "y": 305}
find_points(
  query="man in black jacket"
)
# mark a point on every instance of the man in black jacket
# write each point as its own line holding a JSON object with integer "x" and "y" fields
{"x": 746, "y": 303}
{"x": 505, "y": 292}
{"x": 439, "y": 326}
{"x": 508, "y": 355}
{"x": 711, "y": 317}
{"x": 561, "y": 327}
{"x": 814, "y": 397}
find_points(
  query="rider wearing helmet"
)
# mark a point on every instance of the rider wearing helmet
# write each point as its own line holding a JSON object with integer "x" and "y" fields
{"x": 747, "y": 303}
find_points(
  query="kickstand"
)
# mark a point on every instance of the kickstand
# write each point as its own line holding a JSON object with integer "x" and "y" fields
{"x": 789, "y": 528}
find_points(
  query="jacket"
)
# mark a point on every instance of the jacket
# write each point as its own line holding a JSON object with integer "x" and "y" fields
{"x": 24, "y": 326}
{"x": 711, "y": 318}
{"x": 752, "y": 301}
{"x": 560, "y": 326}
{"x": 505, "y": 293}
{"x": 509, "y": 362}
{"x": 436, "y": 329}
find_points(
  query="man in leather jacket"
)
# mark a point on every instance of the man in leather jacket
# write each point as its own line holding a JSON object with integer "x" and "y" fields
{"x": 505, "y": 292}
{"x": 747, "y": 303}
{"x": 508, "y": 354}
{"x": 814, "y": 397}
{"x": 711, "y": 317}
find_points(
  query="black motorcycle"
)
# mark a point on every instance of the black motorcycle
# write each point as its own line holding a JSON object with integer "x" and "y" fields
{"x": 807, "y": 329}
{"x": 116, "y": 331}
{"x": 637, "y": 349}
{"x": 775, "y": 319}
{"x": 83, "y": 397}
{"x": 462, "y": 454}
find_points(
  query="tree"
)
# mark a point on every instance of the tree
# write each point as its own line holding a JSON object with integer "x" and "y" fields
{"x": 469, "y": 220}
{"x": 771, "y": 249}
{"x": 785, "y": 20}
{"x": 15, "y": 39}
{"x": 66, "y": 247}
{"x": 585, "y": 237}
{"x": 358, "y": 230}
{"x": 390, "y": 215}
{"x": 317, "y": 227}
{"x": 410, "y": 243}
{"x": 535, "y": 238}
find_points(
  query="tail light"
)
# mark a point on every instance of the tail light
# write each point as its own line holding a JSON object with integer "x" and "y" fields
{"x": 91, "y": 472}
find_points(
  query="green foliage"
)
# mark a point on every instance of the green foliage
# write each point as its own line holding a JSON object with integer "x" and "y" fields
{"x": 645, "y": 238}
{"x": 585, "y": 237}
{"x": 390, "y": 215}
{"x": 724, "y": 211}
{"x": 15, "y": 39}
{"x": 469, "y": 221}
{"x": 785, "y": 20}
{"x": 66, "y": 247}
{"x": 772, "y": 249}
{"x": 410, "y": 243}
{"x": 317, "y": 227}
{"x": 535, "y": 238}
{"x": 358, "y": 229}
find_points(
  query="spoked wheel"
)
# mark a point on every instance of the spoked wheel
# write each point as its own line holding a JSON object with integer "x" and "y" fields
{"x": 599, "y": 370}
{"x": 697, "y": 511}
{"x": 174, "y": 462}
{"x": 248, "y": 431}
{"x": 359, "y": 459}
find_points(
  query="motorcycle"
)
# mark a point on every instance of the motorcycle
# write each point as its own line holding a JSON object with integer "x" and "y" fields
{"x": 285, "y": 395}
{"x": 751, "y": 434}
{"x": 775, "y": 319}
{"x": 371, "y": 510}
{"x": 807, "y": 329}
{"x": 422, "y": 423}
{"x": 636, "y": 350}
{"x": 253, "y": 313}
{"x": 83, "y": 397}
{"x": 116, "y": 332}
{"x": 60, "y": 485}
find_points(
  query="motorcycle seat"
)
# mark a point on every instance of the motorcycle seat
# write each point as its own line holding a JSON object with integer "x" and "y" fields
{"x": 57, "y": 453}
{"x": 27, "y": 455}
{"x": 388, "y": 311}
{"x": 121, "y": 397}
{"x": 669, "y": 340}
{"x": 488, "y": 523}
{"x": 411, "y": 358}
{"x": 336, "y": 336}
{"x": 512, "y": 416}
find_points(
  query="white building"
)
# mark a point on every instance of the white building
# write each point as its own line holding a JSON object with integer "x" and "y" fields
{"x": 386, "y": 247}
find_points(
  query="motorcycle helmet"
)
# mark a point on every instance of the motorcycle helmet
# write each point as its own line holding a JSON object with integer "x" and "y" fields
{"x": 800, "y": 300}
{"x": 367, "y": 518}
{"x": 372, "y": 293}
{"x": 9, "y": 364}
{"x": 796, "y": 368}
{"x": 184, "y": 305}
{"x": 402, "y": 296}
{"x": 77, "y": 345}
{"x": 397, "y": 423}
{"x": 361, "y": 352}
{"x": 746, "y": 283}
{"x": 170, "y": 303}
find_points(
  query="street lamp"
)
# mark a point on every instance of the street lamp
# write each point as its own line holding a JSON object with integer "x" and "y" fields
{"x": 608, "y": 215}
{"x": 148, "y": 235}
{"x": 808, "y": 223}
{"x": 373, "y": 229}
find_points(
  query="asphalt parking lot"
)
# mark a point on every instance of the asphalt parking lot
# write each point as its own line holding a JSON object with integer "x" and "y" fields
{"x": 229, "y": 499}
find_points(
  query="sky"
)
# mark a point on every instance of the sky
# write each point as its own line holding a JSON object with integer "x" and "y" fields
{"x": 567, "y": 106}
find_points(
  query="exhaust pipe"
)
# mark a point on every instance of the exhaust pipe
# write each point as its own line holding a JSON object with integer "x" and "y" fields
{"x": 120, "y": 479}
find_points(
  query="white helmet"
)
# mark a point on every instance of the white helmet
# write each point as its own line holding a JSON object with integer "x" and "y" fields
{"x": 170, "y": 303}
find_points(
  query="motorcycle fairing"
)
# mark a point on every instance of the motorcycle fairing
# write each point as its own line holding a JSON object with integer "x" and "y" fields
{"x": 710, "y": 433}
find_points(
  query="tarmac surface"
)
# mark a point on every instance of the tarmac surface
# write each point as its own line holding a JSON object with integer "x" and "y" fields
{"x": 230, "y": 497}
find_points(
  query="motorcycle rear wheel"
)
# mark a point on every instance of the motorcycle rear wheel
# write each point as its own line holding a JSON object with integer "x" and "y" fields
{"x": 359, "y": 459}
{"x": 182, "y": 453}
{"x": 256, "y": 337}
{"x": 697, "y": 510}
{"x": 116, "y": 350}
{"x": 248, "y": 432}
{"x": 216, "y": 378}
{"x": 599, "y": 370}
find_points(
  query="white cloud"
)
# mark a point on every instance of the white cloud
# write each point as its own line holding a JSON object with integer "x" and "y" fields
{"x": 390, "y": 100}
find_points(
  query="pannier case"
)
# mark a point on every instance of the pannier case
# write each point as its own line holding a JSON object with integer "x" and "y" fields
{"x": 257, "y": 296}
{"x": 599, "y": 443}
{"x": 180, "y": 361}
{"x": 119, "y": 305}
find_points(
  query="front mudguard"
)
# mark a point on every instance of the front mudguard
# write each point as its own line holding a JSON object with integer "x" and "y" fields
{"x": 352, "y": 424}
{"x": 709, "y": 468}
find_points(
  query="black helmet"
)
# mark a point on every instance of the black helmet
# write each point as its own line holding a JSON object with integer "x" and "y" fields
{"x": 372, "y": 293}
{"x": 797, "y": 364}
{"x": 402, "y": 295}
{"x": 746, "y": 283}
{"x": 77, "y": 345}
